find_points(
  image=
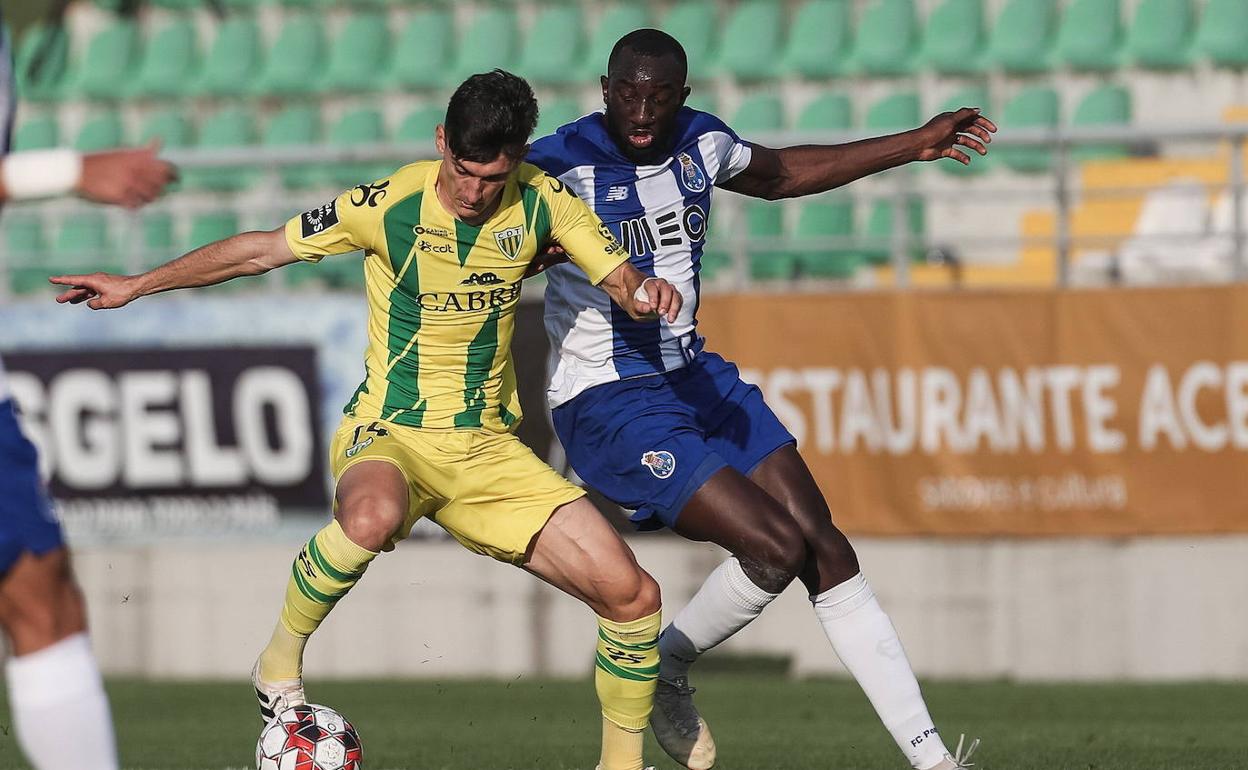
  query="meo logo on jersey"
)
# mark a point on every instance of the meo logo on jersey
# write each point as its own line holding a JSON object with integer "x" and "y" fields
{"x": 319, "y": 220}
{"x": 690, "y": 175}
{"x": 509, "y": 241}
{"x": 661, "y": 463}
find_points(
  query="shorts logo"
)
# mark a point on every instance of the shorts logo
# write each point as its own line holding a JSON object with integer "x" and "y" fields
{"x": 690, "y": 175}
{"x": 509, "y": 241}
{"x": 360, "y": 447}
{"x": 661, "y": 463}
{"x": 318, "y": 220}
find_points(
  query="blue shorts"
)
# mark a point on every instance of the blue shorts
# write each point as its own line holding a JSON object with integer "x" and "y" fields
{"x": 649, "y": 443}
{"x": 26, "y": 519}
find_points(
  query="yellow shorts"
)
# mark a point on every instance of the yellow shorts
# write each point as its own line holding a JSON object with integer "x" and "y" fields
{"x": 487, "y": 489}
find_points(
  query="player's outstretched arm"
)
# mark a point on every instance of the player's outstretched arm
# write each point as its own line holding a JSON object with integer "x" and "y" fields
{"x": 642, "y": 296}
{"x": 253, "y": 253}
{"x": 809, "y": 169}
{"x": 128, "y": 177}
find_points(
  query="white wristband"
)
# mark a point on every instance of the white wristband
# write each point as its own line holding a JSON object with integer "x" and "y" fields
{"x": 41, "y": 173}
{"x": 640, "y": 295}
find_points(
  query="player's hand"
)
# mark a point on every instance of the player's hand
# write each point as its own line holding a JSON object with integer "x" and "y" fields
{"x": 99, "y": 290}
{"x": 661, "y": 298}
{"x": 553, "y": 255}
{"x": 943, "y": 134}
{"x": 130, "y": 178}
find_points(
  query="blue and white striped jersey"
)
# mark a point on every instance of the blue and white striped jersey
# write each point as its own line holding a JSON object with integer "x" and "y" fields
{"x": 660, "y": 213}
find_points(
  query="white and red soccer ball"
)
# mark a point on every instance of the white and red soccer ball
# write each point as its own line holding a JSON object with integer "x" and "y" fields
{"x": 309, "y": 737}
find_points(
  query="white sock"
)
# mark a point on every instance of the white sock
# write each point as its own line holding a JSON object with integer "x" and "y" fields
{"x": 725, "y": 604}
{"x": 60, "y": 711}
{"x": 864, "y": 639}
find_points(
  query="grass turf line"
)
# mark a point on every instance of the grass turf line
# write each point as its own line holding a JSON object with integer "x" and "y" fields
{"x": 760, "y": 723}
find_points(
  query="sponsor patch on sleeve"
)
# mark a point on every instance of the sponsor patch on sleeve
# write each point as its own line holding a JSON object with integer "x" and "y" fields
{"x": 319, "y": 219}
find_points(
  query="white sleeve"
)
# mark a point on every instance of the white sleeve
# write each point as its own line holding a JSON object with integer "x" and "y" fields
{"x": 724, "y": 154}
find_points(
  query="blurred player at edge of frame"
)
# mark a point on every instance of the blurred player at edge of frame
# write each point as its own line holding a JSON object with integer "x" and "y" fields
{"x": 430, "y": 431}
{"x": 54, "y": 683}
{"x": 668, "y": 429}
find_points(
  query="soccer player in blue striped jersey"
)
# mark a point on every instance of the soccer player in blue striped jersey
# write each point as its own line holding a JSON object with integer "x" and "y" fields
{"x": 668, "y": 429}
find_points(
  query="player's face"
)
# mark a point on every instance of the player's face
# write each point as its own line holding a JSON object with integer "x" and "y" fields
{"x": 470, "y": 190}
{"x": 642, "y": 98}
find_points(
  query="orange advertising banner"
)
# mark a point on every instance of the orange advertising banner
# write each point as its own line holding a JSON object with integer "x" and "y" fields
{"x": 1091, "y": 412}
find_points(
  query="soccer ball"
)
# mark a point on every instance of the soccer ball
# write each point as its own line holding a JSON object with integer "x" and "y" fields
{"x": 309, "y": 737}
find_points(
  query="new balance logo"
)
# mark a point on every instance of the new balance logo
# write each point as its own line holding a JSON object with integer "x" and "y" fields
{"x": 616, "y": 194}
{"x": 482, "y": 279}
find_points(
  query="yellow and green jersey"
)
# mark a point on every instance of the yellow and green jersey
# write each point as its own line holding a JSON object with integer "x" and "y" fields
{"x": 442, "y": 294}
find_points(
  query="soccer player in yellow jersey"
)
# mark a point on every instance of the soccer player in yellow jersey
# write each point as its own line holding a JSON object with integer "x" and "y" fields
{"x": 429, "y": 432}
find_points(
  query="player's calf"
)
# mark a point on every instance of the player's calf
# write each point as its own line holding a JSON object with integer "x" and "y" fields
{"x": 40, "y": 604}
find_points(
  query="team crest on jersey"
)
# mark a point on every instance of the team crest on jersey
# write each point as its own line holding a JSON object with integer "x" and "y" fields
{"x": 661, "y": 463}
{"x": 691, "y": 175}
{"x": 510, "y": 240}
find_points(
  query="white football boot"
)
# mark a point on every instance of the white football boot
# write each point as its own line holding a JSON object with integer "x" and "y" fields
{"x": 679, "y": 729}
{"x": 276, "y": 697}
{"x": 958, "y": 760}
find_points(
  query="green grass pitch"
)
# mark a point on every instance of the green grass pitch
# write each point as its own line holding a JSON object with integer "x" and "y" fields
{"x": 760, "y": 723}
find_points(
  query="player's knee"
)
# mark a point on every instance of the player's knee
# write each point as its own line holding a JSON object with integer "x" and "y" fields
{"x": 631, "y": 596}
{"x": 773, "y": 559}
{"x": 38, "y": 618}
{"x": 370, "y": 520}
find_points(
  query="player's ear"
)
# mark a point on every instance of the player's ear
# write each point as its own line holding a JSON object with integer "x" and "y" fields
{"x": 684, "y": 95}
{"x": 603, "y": 81}
{"x": 524, "y": 152}
{"x": 439, "y": 139}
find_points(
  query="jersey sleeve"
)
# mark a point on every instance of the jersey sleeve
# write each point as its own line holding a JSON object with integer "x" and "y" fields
{"x": 338, "y": 227}
{"x": 730, "y": 155}
{"x": 587, "y": 241}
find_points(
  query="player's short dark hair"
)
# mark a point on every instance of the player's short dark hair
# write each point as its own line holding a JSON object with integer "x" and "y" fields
{"x": 490, "y": 113}
{"x": 650, "y": 43}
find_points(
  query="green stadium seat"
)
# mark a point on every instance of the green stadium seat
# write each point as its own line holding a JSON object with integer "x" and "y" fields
{"x": 820, "y": 39}
{"x": 178, "y": 5}
{"x": 101, "y": 132}
{"x": 242, "y": 5}
{"x": 953, "y": 43}
{"x": 879, "y": 232}
{"x": 170, "y": 61}
{"x": 544, "y": 63}
{"x": 1089, "y": 38}
{"x": 419, "y": 124}
{"x": 342, "y": 271}
{"x": 765, "y": 220}
{"x": 1160, "y": 37}
{"x": 614, "y": 24}
{"x": 895, "y": 112}
{"x": 703, "y": 99}
{"x": 694, "y": 24}
{"x": 229, "y": 128}
{"x": 297, "y": 64}
{"x": 760, "y": 112}
{"x": 359, "y": 54}
{"x": 108, "y": 66}
{"x": 1022, "y": 39}
{"x": 171, "y": 127}
{"x": 83, "y": 243}
{"x": 553, "y": 113}
{"x": 38, "y": 133}
{"x": 829, "y": 112}
{"x": 887, "y": 38}
{"x": 26, "y": 247}
{"x": 49, "y": 47}
{"x": 827, "y": 218}
{"x": 973, "y": 96}
{"x": 751, "y": 42}
{"x": 1035, "y": 107}
{"x": 489, "y": 41}
{"x": 233, "y": 60}
{"x": 357, "y": 128}
{"x": 212, "y": 226}
{"x": 159, "y": 238}
{"x": 297, "y": 125}
{"x": 423, "y": 49}
{"x": 1107, "y": 105}
{"x": 713, "y": 263}
{"x": 1223, "y": 33}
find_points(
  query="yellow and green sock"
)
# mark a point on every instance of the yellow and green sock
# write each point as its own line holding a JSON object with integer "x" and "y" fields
{"x": 625, "y": 673}
{"x": 327, "y": 567}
